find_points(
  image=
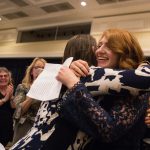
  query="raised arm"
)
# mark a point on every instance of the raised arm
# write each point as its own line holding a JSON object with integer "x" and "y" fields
{"x": 109, "y": 81}
{"x": 104, "y": 81}
{"x": 79, "y": 106}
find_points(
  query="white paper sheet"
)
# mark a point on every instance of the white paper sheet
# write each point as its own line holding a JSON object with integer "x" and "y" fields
{"x": 46, "y": 87}
{"x": 1, "y": 147}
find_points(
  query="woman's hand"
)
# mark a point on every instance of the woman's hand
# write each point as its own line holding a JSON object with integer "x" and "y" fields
{"x": 9, "y": 94}
{"x": 10, "y": 90}
{"x": 67, "y": 77}
{"x": 80, "y": 68}
{"x": 147, "y": 118}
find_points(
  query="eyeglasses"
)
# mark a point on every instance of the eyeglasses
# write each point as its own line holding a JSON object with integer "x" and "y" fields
{"x": 38, "y": 67}
{"x": 4, "y": 76}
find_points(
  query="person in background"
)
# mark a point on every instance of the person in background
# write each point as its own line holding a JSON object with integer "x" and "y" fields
{"x": 6, "y": 110}
{"x": 79, "y": 47}
{"x": 26, "y": 108}
{"x": 111, "y": 122}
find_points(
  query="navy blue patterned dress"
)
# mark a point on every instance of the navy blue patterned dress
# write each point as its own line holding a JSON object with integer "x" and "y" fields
{"x": 105, "y": 119}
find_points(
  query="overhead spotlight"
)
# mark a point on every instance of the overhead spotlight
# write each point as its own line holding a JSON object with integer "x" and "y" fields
{"x": 83, "y": 3}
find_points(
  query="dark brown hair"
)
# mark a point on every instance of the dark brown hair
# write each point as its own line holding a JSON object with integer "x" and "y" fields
{"x": 81, "y": 47}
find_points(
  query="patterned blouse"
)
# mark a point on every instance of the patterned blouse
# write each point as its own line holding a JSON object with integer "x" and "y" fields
{"x": 107, "y": 118}
{"x": 20, "y": 96}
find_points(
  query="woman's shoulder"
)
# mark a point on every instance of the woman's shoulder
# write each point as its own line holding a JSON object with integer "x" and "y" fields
{"x": 22, "y": 87}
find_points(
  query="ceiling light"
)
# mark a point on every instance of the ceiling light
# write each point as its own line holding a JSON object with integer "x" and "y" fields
{"x": 83, "y": 3}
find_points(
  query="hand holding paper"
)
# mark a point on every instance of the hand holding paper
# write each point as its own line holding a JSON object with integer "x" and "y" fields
{"x": 46, "y": 87}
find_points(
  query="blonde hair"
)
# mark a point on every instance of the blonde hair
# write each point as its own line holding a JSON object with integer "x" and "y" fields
{"x": 28, "y": 79}
{"x": 4, "y": 69}
{"x": 124, "y": 44}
